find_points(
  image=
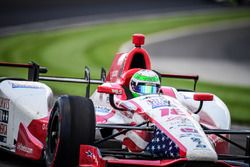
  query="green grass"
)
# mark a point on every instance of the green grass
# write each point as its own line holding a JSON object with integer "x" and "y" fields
{"x": 66, "y": 52}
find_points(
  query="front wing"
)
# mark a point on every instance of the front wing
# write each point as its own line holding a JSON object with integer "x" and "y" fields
{"x": 91, "y": 156}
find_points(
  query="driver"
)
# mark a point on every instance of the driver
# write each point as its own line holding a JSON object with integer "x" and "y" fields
{"x": 144, "y": 82}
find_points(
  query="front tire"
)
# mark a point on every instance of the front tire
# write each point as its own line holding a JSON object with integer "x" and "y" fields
{"x": 71, "y": 123}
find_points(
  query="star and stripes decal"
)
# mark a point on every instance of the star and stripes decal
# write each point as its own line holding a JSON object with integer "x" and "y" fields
{"x": 162, "y": 146}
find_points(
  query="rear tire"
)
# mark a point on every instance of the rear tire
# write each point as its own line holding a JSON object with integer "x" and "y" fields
{"x": 71, "y": 123}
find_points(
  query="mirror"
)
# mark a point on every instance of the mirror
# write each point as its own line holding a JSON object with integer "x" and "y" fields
{"x": 109, "y": 88}
{"x": 203, "y": 97}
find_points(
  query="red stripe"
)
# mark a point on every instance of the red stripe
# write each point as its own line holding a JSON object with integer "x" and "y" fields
{"x": 104, "y": 118}
{"x": 131, "y": 145}
{"x": 146, "y": 136}
{"x": 168, "y": 91}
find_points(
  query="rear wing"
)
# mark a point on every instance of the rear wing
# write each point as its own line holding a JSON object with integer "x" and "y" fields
{"x": 85, "y": 80}
{"x": 195, "y": 78}
{"x": 34, "y": 71}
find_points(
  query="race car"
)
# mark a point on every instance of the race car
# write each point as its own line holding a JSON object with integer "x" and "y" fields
{"x": 111, "y": 127}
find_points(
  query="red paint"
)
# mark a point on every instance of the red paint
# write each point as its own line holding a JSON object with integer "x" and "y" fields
{"x": 131, "y": 145}
{"x": 110, "y": 88}
{"x": 203, "y": 97}
{"x": 138, "y": 40}
{"x": 167, "y": 111}
{"x": 169, "y": 162}
{"x": 27, "y": 145}
{"x": 221, "y": 146}
{"x": 167, "y": 91}
{"x": 90, "y": 156}
{"x": 104, "y": 118}
{"x": 126, "y": 76}
{"x": 134, "y": 52}
{"x": 38, "y": 128}
{"x": 122, "y": 63}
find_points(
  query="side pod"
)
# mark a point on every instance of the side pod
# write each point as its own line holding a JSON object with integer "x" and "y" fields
{"x": 27, "y": 145}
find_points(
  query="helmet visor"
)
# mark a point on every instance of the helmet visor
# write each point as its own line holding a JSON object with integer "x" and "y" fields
{"x": 146, "y": 88}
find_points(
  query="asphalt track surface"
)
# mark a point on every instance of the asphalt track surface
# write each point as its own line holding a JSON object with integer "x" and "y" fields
{"x": 15, "y": 13}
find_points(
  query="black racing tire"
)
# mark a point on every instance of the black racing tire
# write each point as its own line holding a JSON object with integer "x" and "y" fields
{"x": 71, "y": 123}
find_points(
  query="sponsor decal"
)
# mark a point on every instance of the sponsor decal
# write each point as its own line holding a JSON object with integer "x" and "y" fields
{"x": 158, "y": 102}
{"x": 91, "y": 158}
{"x": 117, "y": 91}
{"x": 190, "y": 135}
{"x": 3, "y": 129}
{"x": 199, "y": 142}
{"x": 23, "y": 148}
{"x": 4, "y": 116}
{"x": 129, "y": 106}
{"x": 114, "y": 74}
{"x": 3, "y": 139}
{"x": 107, "y": 99}
{"x": 45, "y": 127}
{"x": 25, "y": 85}
{"x": 4, "y": 103}
{"x": 184, "y": 122}
{"x": 189, "y": 130}
{"x": 102, "y": 110}
{"x": 185, "y": 96}
{"x": 4, "y": 119}
{"x": 168, "y": 111}
{"x": 121, "y": 59}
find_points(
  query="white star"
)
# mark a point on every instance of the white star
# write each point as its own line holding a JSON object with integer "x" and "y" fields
{"x": 163, "y": 146}
{"x": 158, "y": 147}
{"x": 157, "y": 139}
{"x": 153, "y": 148}
{"x": 163, "y": 138}
{"x": 170, "y": 148}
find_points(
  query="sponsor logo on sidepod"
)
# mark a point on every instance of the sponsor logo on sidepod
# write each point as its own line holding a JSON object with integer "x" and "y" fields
{"x": 23, "y": 148}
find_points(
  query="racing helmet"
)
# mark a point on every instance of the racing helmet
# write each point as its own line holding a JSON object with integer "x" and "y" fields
{"x": 144, "y": 82}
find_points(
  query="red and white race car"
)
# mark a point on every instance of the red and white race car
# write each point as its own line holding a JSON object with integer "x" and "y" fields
{"x": 175, "y": 127}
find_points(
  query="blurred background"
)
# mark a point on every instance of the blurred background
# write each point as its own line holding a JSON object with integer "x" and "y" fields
{"x": 209, "y": 38}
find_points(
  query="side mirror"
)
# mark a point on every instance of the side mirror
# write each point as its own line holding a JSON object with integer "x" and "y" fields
{"x": 202, "y": 97}
{"x": 109, "y": 88}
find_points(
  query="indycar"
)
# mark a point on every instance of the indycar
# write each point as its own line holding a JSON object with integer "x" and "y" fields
{"x": 110, "y": 127}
